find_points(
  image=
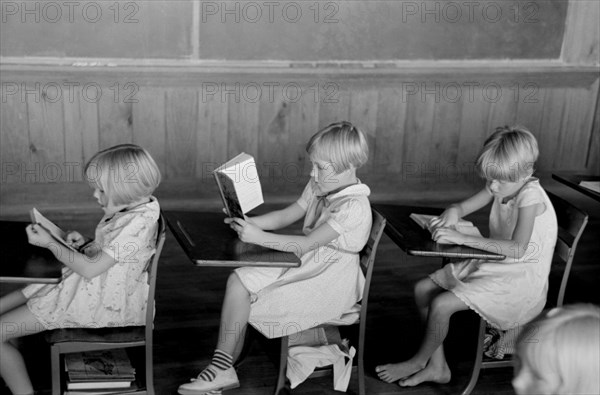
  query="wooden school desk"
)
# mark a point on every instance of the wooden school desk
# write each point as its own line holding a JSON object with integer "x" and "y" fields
{"x": 414, "y": 240}
{"x": 574, "y": 180}
{"x": 208, "y": 241}
{"x": 23, "y": 262}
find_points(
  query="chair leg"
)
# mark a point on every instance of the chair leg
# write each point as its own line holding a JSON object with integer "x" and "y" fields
{"x": 281, "y": 377}
{"x": 361, "y": 377}
{"x": 149, "y": 368}
{"x": 478, "y": 358}
{"x": 55, "y": 367}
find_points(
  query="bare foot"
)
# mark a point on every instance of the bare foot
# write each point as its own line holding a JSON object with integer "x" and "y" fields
{"x": 397, "y": 371}
{"x": 431, "y": 373}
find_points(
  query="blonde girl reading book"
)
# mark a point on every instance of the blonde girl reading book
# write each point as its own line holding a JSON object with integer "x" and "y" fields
{"x": 559, "y": 353}
{"x": 505, "y": 293}
{"x": 104, "y": 283}
{"x": 279, "y": 302}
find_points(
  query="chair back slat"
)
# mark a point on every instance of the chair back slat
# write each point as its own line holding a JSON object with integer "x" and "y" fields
{"x": 152, "y": 269}
{"x": 367, "y": 255}
{"x": 571, "y": 224}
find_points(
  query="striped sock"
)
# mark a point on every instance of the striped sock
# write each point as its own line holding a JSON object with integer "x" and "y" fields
{"x": 220, "y": 360}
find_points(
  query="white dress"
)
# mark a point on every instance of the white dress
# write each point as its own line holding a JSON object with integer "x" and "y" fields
{"x": 116, "y": 297}
{"x": 328, "y": 282}
{"x": 510, "y": 292}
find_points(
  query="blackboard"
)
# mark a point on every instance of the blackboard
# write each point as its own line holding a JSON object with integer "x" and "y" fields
{"x": 301, "y": 30}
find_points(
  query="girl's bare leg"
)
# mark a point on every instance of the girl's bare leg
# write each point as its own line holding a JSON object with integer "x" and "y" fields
{"x": 234, "y": 316}
{"x": 16, "y": 323}
{"x": 442, "y": 307}
{"x": 11, "y": 301}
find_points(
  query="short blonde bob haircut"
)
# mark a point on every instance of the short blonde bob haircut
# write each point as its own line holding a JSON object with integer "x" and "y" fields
{"x": 126, "y": 173}
{"x": 562, "y": 349}
{"x": 341, "y": 144}
{"x": 509, "y": 154}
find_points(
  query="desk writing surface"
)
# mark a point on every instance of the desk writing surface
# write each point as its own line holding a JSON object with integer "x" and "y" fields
{"x": 208, "y": 241}
{"x": 574, "y": 180}
{"x": 417, "y": 241}
{"x": 23, "y": 262}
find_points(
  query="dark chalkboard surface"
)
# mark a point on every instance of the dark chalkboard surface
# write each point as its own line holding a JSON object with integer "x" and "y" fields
{"x": 301, "y": 30}
{"x": 382, "y": 30}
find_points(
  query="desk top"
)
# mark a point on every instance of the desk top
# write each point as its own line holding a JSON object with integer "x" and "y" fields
{"x": 414, "y": 240}
{"x": 23, "y": 262}
{"x": 208, "y": 241}
{"x": 574, "y": 180}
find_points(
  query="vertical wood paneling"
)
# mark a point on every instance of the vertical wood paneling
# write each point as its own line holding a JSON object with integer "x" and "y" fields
{"x": 115, "y": 120}
{"x": 243, "y": 127}
{"x": 211, "y": 144}
{"x": 575, "y": 135}
{"x": 81, "y": 132}
{"x": 363, "y": 113}
{"x": 304, "y": 122}
{"x": 274, "y": 151}
{"x": 14, "y": 138}
{"x": 530, "y": 111}
{"x": 389, "y": 132}
{"x": 334, "y": 107}
{"x": 443, "y": 149}
{"x": 503, "y": 106}
{"x": 581, "y": 43}
{"x": 593, "y": 160}
{"x": 47, "y": 139}
{"x": 181, "y": 113}
{"x": 149, "y": 125}
{"x": 551, "y": 126}
{"x": 473, "y": 131}
{"x": 419, "y": 128}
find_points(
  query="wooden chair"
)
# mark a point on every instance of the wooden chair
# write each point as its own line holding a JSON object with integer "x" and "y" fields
{"x": 64, "y": 341}
{"x": 367, "y": 259}
{"x": 571, "y": 223}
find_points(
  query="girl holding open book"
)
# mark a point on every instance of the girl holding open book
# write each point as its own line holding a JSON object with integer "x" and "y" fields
{"x": 505, "y": 293}
{"x": 104, "y": 281}
{"x": 280, "y": 302}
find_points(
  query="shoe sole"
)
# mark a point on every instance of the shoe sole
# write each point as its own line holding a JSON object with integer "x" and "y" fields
{"x": 202, "y": 392}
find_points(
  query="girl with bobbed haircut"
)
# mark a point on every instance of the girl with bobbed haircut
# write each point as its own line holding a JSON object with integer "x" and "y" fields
{"x": 342, "y": 144}
{"x": 559, "y": 353}
{"x": 125, "y": 172}
{"x": 508, "y": 154}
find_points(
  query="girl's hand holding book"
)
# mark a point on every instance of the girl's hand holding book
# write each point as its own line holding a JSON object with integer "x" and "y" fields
{"x": 448, "y": 236}
{"x": 449, "y": 217}
{"x": 74, "y": 239}
{"x": 247, "y": 232}
{"x": 38, "y": 236}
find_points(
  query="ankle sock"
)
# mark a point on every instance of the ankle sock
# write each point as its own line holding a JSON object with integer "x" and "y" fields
{"x": 220, "y": 360}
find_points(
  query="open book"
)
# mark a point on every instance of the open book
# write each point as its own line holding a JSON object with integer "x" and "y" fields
{"x": 239, "y": 185}
{"x": 465, "y": 227}
{"x": 57, "y": 233}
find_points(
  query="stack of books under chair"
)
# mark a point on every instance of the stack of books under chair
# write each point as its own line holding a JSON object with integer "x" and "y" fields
{"x": 99, "y": 373}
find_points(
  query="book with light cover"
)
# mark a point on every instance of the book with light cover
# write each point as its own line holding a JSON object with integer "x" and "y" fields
{"x": 239, "y": 185}
{"x": 57, "y": 233}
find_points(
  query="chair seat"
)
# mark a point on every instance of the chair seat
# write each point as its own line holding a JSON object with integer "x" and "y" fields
{"x": 120, "y": 334}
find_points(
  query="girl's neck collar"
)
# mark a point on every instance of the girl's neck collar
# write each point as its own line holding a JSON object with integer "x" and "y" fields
{"x": 127, "y": 207}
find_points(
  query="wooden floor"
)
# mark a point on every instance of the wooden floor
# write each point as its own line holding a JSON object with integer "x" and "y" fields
{"x": 189, "y": 299}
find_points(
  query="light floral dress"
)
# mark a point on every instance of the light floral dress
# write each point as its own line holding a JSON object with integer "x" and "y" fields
{"x": 328, "y": 282}
{"x": 510, "y": 292}
{"x": 116, "y": 297}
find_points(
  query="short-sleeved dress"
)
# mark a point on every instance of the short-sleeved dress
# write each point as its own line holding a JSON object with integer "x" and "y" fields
{"x": 116, "y": 297}
{"x": 513, "y": 291}
{"x": 328, "y": 282}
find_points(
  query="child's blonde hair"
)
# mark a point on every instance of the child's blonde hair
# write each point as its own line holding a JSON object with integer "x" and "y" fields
{"x": 342, "y": 144}
{"x": 562, "y": 349}
{"x": 509, "y": 154}
{"x": 126, "y": 173}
